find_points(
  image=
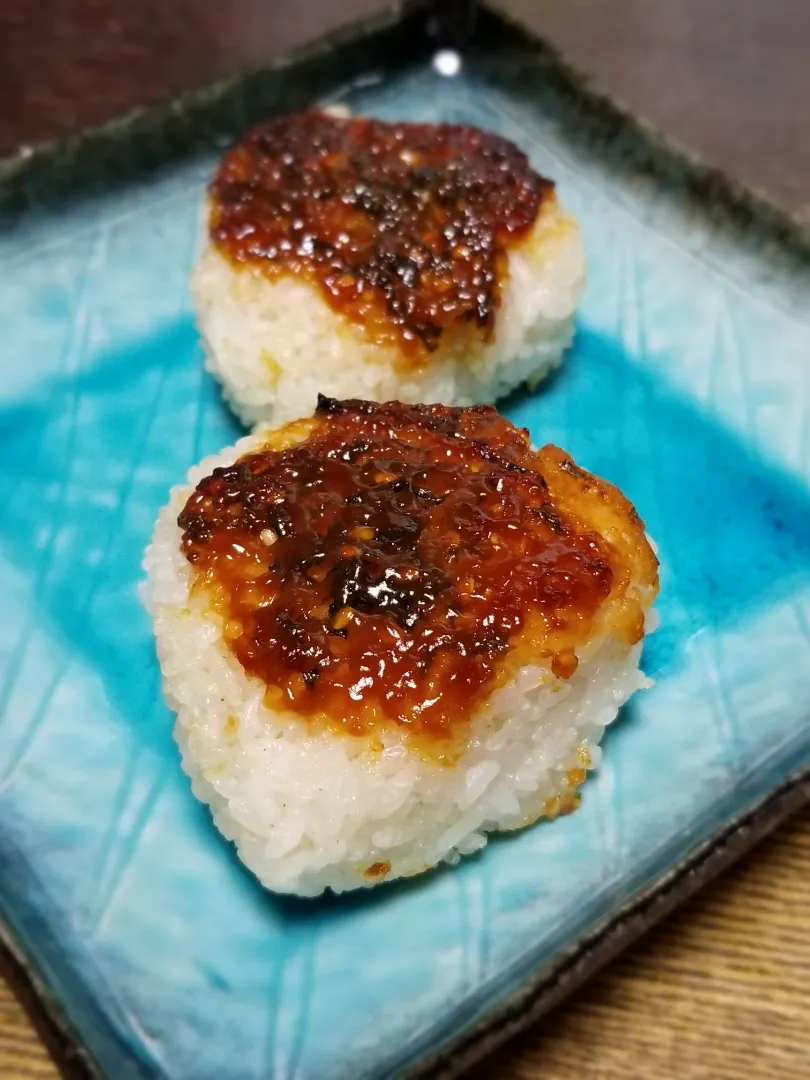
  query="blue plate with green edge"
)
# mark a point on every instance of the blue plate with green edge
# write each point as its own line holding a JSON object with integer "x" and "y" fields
{"x": 153, "y": 955}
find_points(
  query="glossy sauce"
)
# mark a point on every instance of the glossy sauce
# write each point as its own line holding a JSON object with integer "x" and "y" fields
{"x": 382, "y": 569}
{"x": 404, "y": 227}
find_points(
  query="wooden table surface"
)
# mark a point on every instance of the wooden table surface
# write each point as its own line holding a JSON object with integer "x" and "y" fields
{"x": 721, "y": 990}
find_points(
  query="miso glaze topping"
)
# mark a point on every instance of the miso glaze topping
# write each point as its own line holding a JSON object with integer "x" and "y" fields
{"x": 381, "y": 569}
{"x": 403, "y": 227}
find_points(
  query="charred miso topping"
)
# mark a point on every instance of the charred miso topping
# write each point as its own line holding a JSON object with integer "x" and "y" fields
{"x": 403, "y": 226}
{"x": 380, "y": 570}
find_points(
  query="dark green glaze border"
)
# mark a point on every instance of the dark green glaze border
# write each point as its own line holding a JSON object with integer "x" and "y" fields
{"x": 626, "y": 143}
{"x": 92, "y": 161}
{"x": 95, "y": 159}
{"x": 45, "y": 1012}
{"x": 552, "y": 984}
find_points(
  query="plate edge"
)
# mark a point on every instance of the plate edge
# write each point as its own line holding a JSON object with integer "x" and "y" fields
{"x": 725, "y": 199}
{"x": 537, "y": 995}
{"x": 61, "y": 1039}
{"x": 84, "y": 163}
{"x": 547, "y": 988}
{"x": 737, "y": 207}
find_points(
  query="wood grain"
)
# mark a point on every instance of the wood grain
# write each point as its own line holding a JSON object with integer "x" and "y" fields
{"x": 721, "y": 991}
{"x": 22, "y": 1055}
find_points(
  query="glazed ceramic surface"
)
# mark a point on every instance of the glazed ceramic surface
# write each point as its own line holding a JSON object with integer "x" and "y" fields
{"x": 688, "y": 386}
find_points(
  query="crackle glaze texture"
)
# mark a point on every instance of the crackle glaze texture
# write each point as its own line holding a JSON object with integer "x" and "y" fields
{"x": 687, "y": 387}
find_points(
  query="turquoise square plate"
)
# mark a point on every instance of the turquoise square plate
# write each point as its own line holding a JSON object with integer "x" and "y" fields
{"x": 688, "y": 385}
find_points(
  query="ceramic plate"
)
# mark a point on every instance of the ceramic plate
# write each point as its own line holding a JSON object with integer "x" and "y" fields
{"x": 688, "y": 386}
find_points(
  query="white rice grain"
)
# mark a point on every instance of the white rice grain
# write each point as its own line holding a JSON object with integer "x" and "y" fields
{"x": 310, "y": 809}
{"x": 275, "y": 342}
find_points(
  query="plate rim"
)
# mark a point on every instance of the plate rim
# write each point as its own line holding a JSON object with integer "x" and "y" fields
{"x": 79, "y": 165}
{"x": 540, "y": 992}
